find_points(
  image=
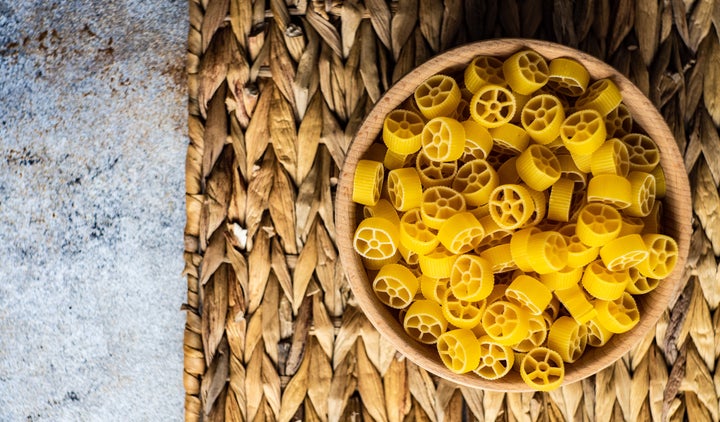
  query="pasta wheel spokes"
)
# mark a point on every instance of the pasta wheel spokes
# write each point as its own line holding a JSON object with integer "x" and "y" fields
{"x": 526, "y": 71}
{"x": 471, "y": 278}
{"x": 395, "y": 286}
{"x": 567, "y": 338}
{"x": 547, "y": 252}
{"x": 402, "y": 130}
{"x": 424, "y": 321}
{"x": 529, "y": 293}
{"x": 624, "y": 252}
{"x": 404, "y": 188}
{"x": 492, "y": 106}
{"x": 478, "y": 142}
{"x": 461, "y": 233}
{"x": 583, "y": 132}
{"x": 462, "y": 313}
{"x": 597, "y": 335}
{"x": 642, "y": 192}
{"x": 509, "y": 139}
{"x": 536, "y": 336}
{"x": 619, "y": 122}
{"x": 496, "y": 360}
{"x": 602, "y": 96}
{"x": 604, "y": 284}
{"x": 440, "y": 203}
{"x": 475, "y": 180}
{"x": 598, "y": 224}
{"x": 459, "y": 351}
{"x": 438, "y": 96}
{"x": 543, "y": 369}
{"x": 611, "y": 158}
{"x": 376, "y": 238}
{"x": 415, "y": 234}
{"x": 618, "y": 316}
{"x": 538, "y": 167}
{"x": 435, "y": 173}
{"x": 644, "y": 153}
{"x": 505, "y": 323}
{"x": 443, "y": 139}
{"x": 542, "y": 117}
{"x": 483, "y": 70}
{"x": 568, "y": 77}
{"x": 367, "y": 182}
{"x": 511, "y": 206}
{"x": 662, "y": 256}
{"x": 639, "y": 284}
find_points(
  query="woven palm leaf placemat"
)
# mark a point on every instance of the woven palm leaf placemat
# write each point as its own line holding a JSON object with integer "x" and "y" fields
{"x": 276, "y": 90}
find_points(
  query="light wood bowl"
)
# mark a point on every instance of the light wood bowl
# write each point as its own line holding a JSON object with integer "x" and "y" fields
{"x": 676, "y": 206}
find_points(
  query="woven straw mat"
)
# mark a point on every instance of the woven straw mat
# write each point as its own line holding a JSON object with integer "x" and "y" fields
{"x": 276, "y": 90}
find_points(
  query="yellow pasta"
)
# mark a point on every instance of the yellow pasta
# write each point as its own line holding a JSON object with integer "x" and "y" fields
{"x": 494, "y": 234}
{"x": 597, "y": 335}
{"x": 402, "y": 130}
{"x": 583, "y": 132}
{"x": 383, "y": 209}
{"x": 492, "y": 106}
{"x": 568, "y": 77}
{"x": 542, "y": 369}
{"x": 540, "y": 202}
{"x": 415, "y": 235}
{"x": 619, "y": 122}
{"x": 529, "y": 293}
{"x": 547, "y": 252}
{"x": 440, "y": 203}
{"x": 642, "y": 193}
{"x": 538, "y": 167}
{"x": 478, "y": 142}
{"x": 438, "y": 96}
{"x": 582, "y": 161}
{"x": 367, "y": 183}
{"x": 576, "y": 303}
{"x": 462, "y": 313}
{"x": 483, "y": 70}
{"x": 496, "y": 360}
{"x": 376, "y": 238}
{"x": 612, "y": 158}
{"x": 511, "y": 206}
{"x": 662, "y": 256}
{"x": 505, "y": 323}
{"x": 579, "y": 254}
{"x": 644, "y": 154}
{"x": 471, "y": 278}
{"x": 475, "y": 180}
{"x": 567, "y": 338}
{"x": 519, "y": 247}
{"x": 394, "y": 160}
{"x": 509, "y": 139}
{"x": 570, "y": 170}
{"x": 619, "y": 315}
{"x": 424, "y": 321}
{"x": 624, "y": 252}
{"x": 500, "y": 258}
{"x": 459, "y": 350}
{"x": 610, "y": 189}
{"x": 631, "y": 225}
{"x": 404, "y": 188}
{"x": 536, "y": 335}
{"x": 604, "y": 284}
{"x": 598, "y": 224}
{"x": 443, "y": 139}
{"x": 639, "y": 284}
{"x": 434, "y": 288}
{"x": 507, "y": 172}
{"x": 561, "y": 195}
{"x": 602, "y": 96}
{"x": 461, "y": 233}
{"x": 562, "y": 279}
{"x": 435, "y": 173}
{"x": 438, "y": 263}
{"x": 659, "y": 176}
{"x": 526, "y": 71}
{"x": 542, "y": 117}
{"x": 395, "y": 286}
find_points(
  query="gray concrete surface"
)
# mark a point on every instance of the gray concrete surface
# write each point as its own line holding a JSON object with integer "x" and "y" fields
{"x": 92, "y": 146}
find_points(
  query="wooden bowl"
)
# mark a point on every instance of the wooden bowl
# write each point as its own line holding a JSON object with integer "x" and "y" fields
{"x": 676, "y": 219}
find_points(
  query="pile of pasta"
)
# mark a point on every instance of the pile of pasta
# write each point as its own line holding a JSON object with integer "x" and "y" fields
{"x": 512, "y": 215}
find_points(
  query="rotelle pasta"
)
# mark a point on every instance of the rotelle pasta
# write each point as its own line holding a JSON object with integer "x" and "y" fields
{"x": 512, "y": 215}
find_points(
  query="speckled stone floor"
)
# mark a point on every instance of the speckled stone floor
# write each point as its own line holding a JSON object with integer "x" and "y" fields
{"x": 92, "y": 146}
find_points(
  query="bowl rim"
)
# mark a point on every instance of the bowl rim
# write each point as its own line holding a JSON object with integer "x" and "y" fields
{"x": 677, "y": 207}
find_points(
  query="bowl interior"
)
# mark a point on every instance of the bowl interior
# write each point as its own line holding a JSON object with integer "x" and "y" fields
{"x": 677, "y": 212}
